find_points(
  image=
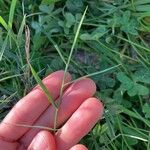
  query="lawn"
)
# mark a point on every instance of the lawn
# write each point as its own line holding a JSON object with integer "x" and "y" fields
{"x": 106, "y": 40}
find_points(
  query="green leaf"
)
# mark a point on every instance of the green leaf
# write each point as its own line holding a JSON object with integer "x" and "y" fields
{"x": 142, "y": 75}
{"x": 132, "y": 27}
{"x": 36, "y": 25}
{"x": 142, "y": 90}
{"x": 57, "y": 63}
{"x": 110, "y": 82}
{"x": 133, "y": 91}
{"x": 126, "y": 17}
{"x": 66, "y": 30}
{"x": 70, "y": 19}
{"x": 46, "y": 9}
{"x": 138, "y": 89}
{"x": 122, "y": 77}
{"x": 61, "y": 23}
{"x": 95, "y": 35}
{"x": 74, "y": 5}
{"x": 38, "y": 41}
{"x": 85, "y": 37}
{"x": 98, "y": 32}
{"x": 118, "y": 96}
{"x": 146, "y": 110}
{"x": 126, "y": 86}
{"x": 129, "y": 26}
{"x": 127, "y": 83}
{"x": 115, "y": 21}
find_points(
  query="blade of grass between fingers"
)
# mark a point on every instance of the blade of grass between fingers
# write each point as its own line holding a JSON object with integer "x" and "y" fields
{"x": 29, "y": 126}
{"x": 94, "y": 73}
{"x": 72, "y": 48}
{"x": 67, "y": 65}
{"x": 39, "y": 81}
{"x": 35, "y": 75}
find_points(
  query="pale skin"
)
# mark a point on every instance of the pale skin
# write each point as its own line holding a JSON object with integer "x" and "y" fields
{"x": 78, "y": 113}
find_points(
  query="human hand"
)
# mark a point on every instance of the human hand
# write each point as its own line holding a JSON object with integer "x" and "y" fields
{"x": 77, "y": 114}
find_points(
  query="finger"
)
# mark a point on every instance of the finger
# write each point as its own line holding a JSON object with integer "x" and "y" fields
{"x": 29, "y": 108}
{"x": 80, "y": 123}
{"x": 44, "y": 140}
{"x": 72, "y": 99}
{"x": 8, "y": 146}
{"x": 78, "y": 147}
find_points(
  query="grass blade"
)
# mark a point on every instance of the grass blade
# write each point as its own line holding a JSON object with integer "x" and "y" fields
{"x": 4, "y": 24}
{"x": 39, "y": 81}
{"x": 35, "y": 75}
{"x": 72, "y": 48}
{"x": 134, "y": 115}
{"x": 8, "y": 27}
{"x": 67, "y": 65}
{"x": 3, "y": 47}
{"x": 135, "y": 44}
{"x": 9, "y": 77}
{"x": 11, "y": 13}
{"x": 94, "y": 74}
{"x": 100, "y": 72}
{"x": 21, "y": 28}
{"x": 135, "y": 137}
{"x": 29, "y": 126}
{"x": 57, "y": 48}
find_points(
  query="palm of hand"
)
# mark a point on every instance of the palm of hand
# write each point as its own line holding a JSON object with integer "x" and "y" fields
{"x": 77, "y": 114}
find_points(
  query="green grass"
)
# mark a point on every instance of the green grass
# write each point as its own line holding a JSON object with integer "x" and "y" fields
{"x": 112, "y": 47}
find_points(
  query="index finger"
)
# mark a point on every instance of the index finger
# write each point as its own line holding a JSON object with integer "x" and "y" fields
{"x": 29, "y": 108}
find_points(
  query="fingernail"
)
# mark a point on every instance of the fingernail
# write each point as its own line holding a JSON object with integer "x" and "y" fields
{"x": 39, "y": 143}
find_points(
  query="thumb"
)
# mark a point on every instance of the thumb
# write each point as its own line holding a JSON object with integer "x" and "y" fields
{"x": 78, "y": 147}
{"x": 44, "y": 140}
